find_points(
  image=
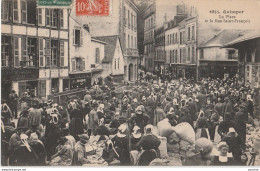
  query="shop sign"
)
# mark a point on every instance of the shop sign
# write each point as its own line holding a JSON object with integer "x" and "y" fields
{"x": 54, "y": 3}
{"x": 77, "y": 76}
{"x": 17, "y": 74}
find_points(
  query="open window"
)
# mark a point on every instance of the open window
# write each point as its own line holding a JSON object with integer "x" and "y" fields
{"x": 77, "y": 37}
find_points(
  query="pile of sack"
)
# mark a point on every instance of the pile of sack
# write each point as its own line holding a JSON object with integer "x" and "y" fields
{"x": 180, "y": 138}
{"x": 181, "y": 146}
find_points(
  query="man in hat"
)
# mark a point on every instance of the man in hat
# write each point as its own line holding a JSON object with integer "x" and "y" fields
{"x": 13, "y": 102}
{"x": 158, "y": 114}
{"x": 80, "y": 154}
{"x": 93, "y": 118}
{"x": 212, "y": 118}
{"x": 235, "y": 144}
{"x": 35, "y": 114}
{"x": 14, "y": 143}
{"x": 240, "y": 122}
{"x": 139, "y": 118}
{"x": 228, "y": 107}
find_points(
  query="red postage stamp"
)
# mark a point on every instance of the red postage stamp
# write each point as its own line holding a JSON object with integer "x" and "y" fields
{"x": 92, "y": 7}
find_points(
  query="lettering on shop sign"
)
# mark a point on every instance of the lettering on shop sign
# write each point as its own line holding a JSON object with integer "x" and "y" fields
{"x": 20, "y": 74}
{"x": 80, "y": 76}
{"x": 56, "y": 3}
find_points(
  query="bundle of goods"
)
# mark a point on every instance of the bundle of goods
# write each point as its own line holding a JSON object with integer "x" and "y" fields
{"x": 95, "y": 160}
{"x": 252, "y": 134}
{"x": 180, "y": 138}
{"x": 95, "y": 150}
{"x": 170, "y": 161}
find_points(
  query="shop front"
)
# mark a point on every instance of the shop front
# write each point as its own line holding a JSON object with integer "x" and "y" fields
{"x": 218, "y": 69}
{"x": 80, "y": 80}
{"x": 118, "y": 78}
{"x": 21, "y": 80}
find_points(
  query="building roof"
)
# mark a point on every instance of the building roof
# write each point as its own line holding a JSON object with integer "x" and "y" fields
{"x": 221, "y": 38}
{"x": 246, "y": 36}
{"x": 109, "y": 47}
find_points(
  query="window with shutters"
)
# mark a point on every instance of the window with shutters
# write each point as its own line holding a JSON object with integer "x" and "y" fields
{"x": 188, "y": 55}
{"x": 15, "y": 11}
{"x": 47, "y": 17}
{"x": 132, "y": 19}
{"x": 54, "y": 52}
{"x": 97, "y": 55}
{"x": 128, "y": 41}
{"x": 24, "y": 51}
{"x": 54, "y": 17}
{"x": 77, "y": 37}
{"x": 48, "y": 52}
{"x": 39, "y": 16}
{"x": 5, "y": 6}
{"x": 176, "y": 38}
{"x": 180, "y": 37}
{"x": 78, "y": 64}
{"x": 193, "y": 54}
{"x": 61, "y": 18}
{"x": 231, "y": 54}
{"x": 118, "y": 64}
{"x": 31, "y": 51}
{"x": 132, "y": 42}
{"x": 176, "y": 56}
{"x": 16, "y": 52}
{"x": 51, "y": 17}
{"x": 201, "y": 54}
{"x": 180, "y": 56}
{"x": 31, "y": 7}
{"x": 193, "y": 32}
{"x": 24, "y": 11}
{"x": 41, "y": 64}
{"x": 129, "y": 19}
{"x": 62, "y": 53}
{"x": 115, "y": 64}
{"x": 188, "y": 33}
{"x": 5, "y": 51}
{"x": 184, "y": 55}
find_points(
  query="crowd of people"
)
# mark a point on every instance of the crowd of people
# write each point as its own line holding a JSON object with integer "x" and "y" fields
{"x": 52, "y": 134}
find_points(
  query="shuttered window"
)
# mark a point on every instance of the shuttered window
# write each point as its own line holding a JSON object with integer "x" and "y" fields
{"x": 41, "y": 64}
{"x": 61, "y": 53}
{"x": 16, "y": 52}
{"x": 15, "y": 11}
{"x": 48, "y": 52}
{"x": 24, "y": 11}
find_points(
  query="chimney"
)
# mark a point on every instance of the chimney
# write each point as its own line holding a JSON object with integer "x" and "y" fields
{"x": 86, "y": 27}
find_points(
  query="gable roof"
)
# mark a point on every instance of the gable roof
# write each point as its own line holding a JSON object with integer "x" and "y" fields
{"x": 109, "y": 47}
{"x": 221, "y": 38}
{"x": 247, "y": 36}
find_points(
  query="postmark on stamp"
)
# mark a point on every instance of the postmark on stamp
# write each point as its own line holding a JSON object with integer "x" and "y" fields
{"x": 93, "y": 7}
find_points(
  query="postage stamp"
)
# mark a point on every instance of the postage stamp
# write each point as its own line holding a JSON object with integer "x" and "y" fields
{"x": 92, "y": 7}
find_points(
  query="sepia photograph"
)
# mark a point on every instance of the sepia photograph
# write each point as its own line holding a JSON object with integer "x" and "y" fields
{"x": 130, "y": 83}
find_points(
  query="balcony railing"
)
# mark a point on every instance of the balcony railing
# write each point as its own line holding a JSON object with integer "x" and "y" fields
{"x": 132, "y": 52}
